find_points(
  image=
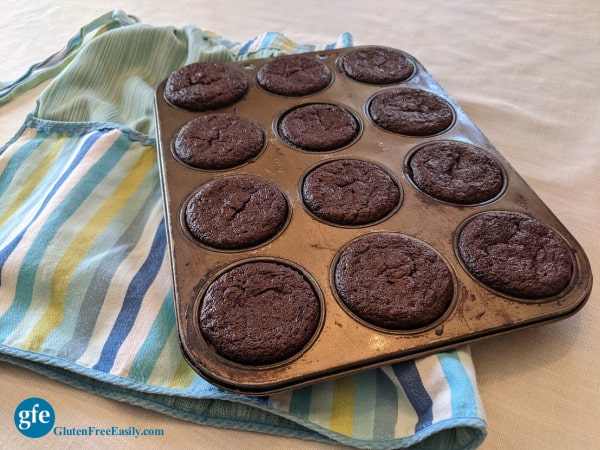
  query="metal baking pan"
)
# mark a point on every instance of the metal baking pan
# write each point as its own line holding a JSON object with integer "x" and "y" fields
{"x": 344, "y": 344}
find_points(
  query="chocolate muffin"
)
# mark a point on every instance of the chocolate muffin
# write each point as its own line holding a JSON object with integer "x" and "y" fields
{"x": 218, "y": 141}
{"x": 205, "y": 85}
{"x": 377, "y": 65}
{"x": 259, "y": 313}
{"x": 350, "y": 192}
{"x": 393, "y": 281}
{"x": 515, "y": 254}
{"x": 455, "y": 172}
{"x": 413, "y": 112}
{"x": 318, "y": 127}
{"x": 294, "y": 75}
{"x": 236, "y": 212}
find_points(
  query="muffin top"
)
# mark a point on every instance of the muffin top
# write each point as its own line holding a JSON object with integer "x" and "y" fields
{"x": 294, "y": 75}
{"x": 236, "y": 212}
{"x": 393, "y": 281}
{"x": 377, "y": 65}
{"x": 350, "y": 192}
{"x": 205, "y": 86}
{"x": 318, "y": 127}
{"x": 259, "y": 313}
{"x": 456, "y": 172}
{"x": 413, "y": 112}
{"x": 515, "y": 254}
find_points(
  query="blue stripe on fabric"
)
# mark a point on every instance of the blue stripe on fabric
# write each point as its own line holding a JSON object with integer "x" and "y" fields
{"x": 462, "y": 392}
{"x": 410, "y": 380}
{"x": 202, "y": 388}
{"x": 244, "y": 48}
{"x": 268, "y": 38}
{"x": 70, "y": 204}
{"x": 7, "y": 250}
{"x": 17, "y": 160}
{"x": 114, "y": 244}
{"x": 133, "y": 300}
{"x": 263, "y": 399}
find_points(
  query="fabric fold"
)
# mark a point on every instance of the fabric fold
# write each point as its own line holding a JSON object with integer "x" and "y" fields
{"x": 85, "y": 287}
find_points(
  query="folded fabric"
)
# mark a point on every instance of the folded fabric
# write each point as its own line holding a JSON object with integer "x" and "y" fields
{"x": 85, "y": 284}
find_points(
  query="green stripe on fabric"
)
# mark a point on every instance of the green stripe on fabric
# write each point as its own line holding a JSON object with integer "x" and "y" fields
{"x": 28, "y": 184}
{"x": 386, "y": 410}
{"x": 79, "y": 247}
{"x": 85, "y": 94}
{"x": 22, "y": 168}
{"x": 365, "y": 405}
{"x": 42, "y": 254}
{"x": 162, "y": 328}
{"x": 33, "y": 251}
{"x": 54, "y": 64}
{"x": 92, "y": 276}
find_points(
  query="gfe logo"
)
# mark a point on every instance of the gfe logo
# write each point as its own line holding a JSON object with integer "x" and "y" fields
{"x": 34, "y": 417}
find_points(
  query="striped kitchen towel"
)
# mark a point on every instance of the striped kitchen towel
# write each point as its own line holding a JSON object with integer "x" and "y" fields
{"x": 85, "y": 285}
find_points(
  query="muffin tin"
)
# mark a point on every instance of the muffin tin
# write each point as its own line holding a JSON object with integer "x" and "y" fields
{"x": 344, "y": 343}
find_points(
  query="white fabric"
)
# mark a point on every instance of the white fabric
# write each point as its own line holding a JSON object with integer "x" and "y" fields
{"x": 528, "y": 73}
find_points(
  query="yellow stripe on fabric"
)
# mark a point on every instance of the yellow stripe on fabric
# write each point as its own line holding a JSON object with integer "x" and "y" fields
{"x": 79, "y": 247}
{"x": 170, "y": 369}
{"x": 342, "y": 408}
{"x": 287, "y": 46}
{"x": 183, "y": 377}
{"x": 26, "y": 188}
